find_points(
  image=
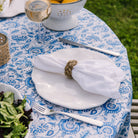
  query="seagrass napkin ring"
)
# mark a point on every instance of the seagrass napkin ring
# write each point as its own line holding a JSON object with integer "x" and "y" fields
{"x": 4, "y": 49}
{"x": 68, "y": 68}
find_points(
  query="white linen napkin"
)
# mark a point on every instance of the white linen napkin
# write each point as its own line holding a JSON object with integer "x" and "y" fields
{"x": 4, "y": 4}
{"x": 97, "y": 76}
{"x": 13, "y": 8}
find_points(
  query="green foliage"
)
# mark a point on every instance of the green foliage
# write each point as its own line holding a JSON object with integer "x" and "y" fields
{"x": 10, "y": 117}
{"x": 122, "y": 17}
{"x": 8, "y": 97}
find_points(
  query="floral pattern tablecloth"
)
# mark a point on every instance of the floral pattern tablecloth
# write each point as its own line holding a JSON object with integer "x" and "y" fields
{"x": 17, "y": 72}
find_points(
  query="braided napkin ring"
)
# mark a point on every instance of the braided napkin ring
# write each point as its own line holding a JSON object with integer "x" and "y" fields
{"x": 69, "y": 67}
{"x": 4, "y": 50}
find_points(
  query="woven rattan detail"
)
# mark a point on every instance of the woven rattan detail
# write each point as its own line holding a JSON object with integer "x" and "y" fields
{"x": 3, "y": 39}
{"x": 69, "y": 67}
{"x": 4, "y": 50}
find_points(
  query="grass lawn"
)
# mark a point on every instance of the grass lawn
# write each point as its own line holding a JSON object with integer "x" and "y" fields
{"x": 122, "y": 17}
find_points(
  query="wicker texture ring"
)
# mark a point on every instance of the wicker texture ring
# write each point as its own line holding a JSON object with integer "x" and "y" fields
{"x": 69, "y": 68}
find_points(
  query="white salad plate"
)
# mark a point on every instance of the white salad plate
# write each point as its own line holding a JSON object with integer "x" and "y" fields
{"x": 65, "y": 92}
{"x": 17, "y": 95}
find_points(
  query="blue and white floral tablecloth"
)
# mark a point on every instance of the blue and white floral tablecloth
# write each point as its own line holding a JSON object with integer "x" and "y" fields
{"x": 17, "y": 72}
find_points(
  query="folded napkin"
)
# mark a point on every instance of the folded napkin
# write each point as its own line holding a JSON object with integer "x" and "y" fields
{"x": 4, "y": 5}
{"x": 97, "y": 76}
{"x": 12, "y": 8}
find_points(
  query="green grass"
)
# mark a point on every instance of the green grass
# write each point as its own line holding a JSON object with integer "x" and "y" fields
{"x": 122, "y": 17}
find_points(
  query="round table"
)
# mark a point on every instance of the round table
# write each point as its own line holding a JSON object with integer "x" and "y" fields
{"x": 17, "y": 72}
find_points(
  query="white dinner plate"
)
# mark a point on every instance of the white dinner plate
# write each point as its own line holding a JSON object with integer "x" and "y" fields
{"x": 65, "y": 92}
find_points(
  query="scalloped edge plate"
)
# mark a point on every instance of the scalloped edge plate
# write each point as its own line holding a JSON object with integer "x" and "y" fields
{"x": 65, "y": 92}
